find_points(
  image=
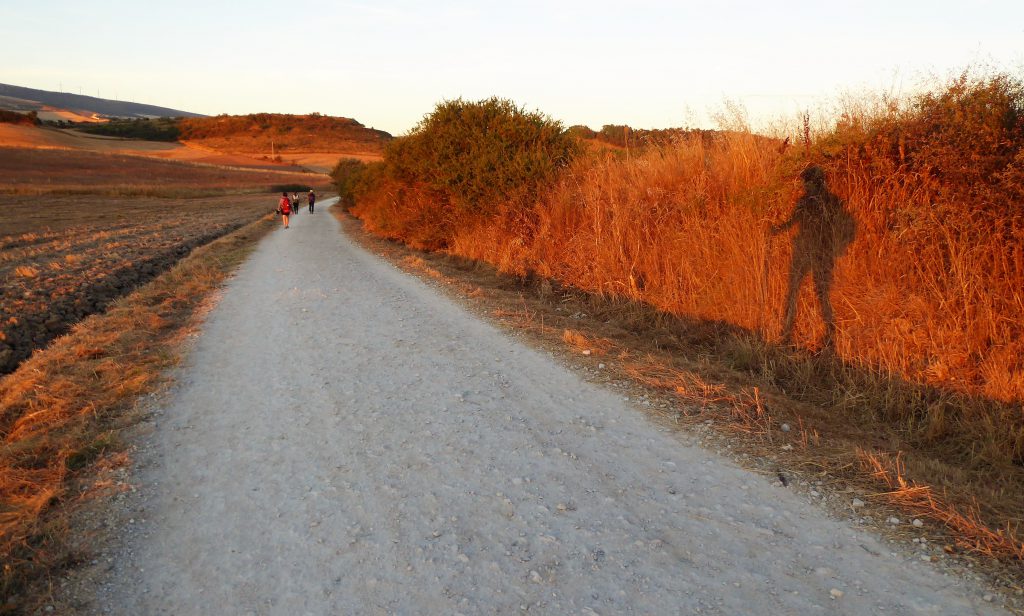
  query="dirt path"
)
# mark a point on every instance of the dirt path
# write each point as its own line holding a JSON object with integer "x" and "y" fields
{"x": 344, "y": 440}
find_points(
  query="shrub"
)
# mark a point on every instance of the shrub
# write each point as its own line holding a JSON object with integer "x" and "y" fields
{"x": 353, "y": 178}
{"x": 614, "y": 134}
{"x": 477, "y": 156}
{"x": 299, "y": 188}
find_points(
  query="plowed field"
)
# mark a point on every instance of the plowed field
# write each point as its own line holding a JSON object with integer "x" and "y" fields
{"x": 80, "y": 229}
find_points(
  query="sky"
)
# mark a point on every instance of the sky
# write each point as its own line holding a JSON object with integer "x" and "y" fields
{"x": 645, "y": 63}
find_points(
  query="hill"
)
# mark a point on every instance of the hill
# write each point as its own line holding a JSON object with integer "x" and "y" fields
{"x": 282, "y": 134}
{"x": 61, "y": 105}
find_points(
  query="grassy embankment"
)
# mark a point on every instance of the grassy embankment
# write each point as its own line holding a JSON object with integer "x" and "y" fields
{"x": 922, "y": 392}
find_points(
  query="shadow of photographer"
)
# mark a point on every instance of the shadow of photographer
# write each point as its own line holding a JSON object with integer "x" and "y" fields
{"x": 826, "y": 230}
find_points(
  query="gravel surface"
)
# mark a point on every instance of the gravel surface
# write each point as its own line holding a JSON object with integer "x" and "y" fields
{"x": 345, "y": 440}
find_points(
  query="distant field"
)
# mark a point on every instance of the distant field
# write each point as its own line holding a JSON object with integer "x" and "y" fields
{"x": 42, "y": 171}
{"x": 41, "y": 137}
{"x": 80, "y": 229}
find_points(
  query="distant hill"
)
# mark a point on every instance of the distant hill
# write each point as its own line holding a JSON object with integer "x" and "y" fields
{"x": 265, "y": 133}
{"x": 17, "y": 98}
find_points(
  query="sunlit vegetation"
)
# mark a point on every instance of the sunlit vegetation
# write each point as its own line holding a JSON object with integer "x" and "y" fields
{"x": 153, "y": 129}
{"x": 274, "y": 132}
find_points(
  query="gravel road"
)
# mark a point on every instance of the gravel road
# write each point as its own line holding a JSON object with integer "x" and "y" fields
{"x": 345, "y": 440}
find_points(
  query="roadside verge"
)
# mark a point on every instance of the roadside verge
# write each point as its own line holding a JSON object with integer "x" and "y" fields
{"x": 676, "y": 373}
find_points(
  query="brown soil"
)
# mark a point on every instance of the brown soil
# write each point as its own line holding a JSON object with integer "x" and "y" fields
{"x": 671, "y": 366}
{"x": 64, "y": 258}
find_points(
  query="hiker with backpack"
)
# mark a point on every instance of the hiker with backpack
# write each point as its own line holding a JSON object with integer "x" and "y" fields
{"x": 826, "y": 230}
{"x": 295, "y": 203}
{"x": 284, "y": 208}
{"x": 312, "y": 200}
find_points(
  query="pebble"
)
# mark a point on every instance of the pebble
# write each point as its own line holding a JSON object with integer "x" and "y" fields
{"x": 858, "y": 502}
{"x": 988, "y": 598}
{"x": 600, "y": 366}
{"x": 785, "y": 427}
{"x": 586, "y": 352}
{"x": 835, "y": 593}
{"x": 893, "y": 520}
{"x": 918, "y": 523}
{"x": 535, "y": 577}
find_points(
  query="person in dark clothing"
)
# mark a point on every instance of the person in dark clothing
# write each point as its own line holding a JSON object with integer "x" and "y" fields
{"x": 312, "y": 200}
{"x": 826, "y": 229}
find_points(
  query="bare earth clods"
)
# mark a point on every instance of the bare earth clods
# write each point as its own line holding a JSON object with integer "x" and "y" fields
{"x": 84, "y": 252}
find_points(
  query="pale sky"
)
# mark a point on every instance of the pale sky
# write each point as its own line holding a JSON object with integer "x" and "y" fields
{"x": 646, "y": 63}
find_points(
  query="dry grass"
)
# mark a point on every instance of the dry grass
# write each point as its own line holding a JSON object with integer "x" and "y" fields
{"x": 65, "y": 407}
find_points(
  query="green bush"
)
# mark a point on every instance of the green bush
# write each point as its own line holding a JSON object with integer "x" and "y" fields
{"x": 479, "y": 156}
{"x": 353, "y": 178}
